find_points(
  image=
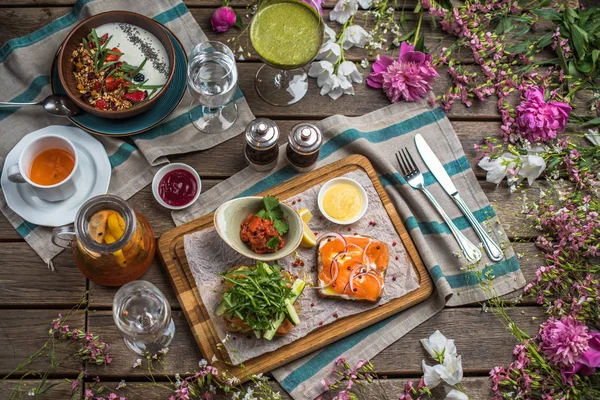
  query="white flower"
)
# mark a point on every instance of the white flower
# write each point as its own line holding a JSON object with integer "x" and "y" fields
{"x": 121, "y": 384}
{"x": 202, "y": 363}
{"x": 532, "y": 167}
{"x": 349, "y": 70}
{"x": 164, "y": 350}
{"x": 31, "y": 393}
{"x": 298, "y": 86}
{"x": 451, "y": 370}
{"x": 214, "y": 358}
{"x": 364, "y": 4}
{"x": 438, "y": 346}
{"x": 356, "y": 36}
{"x": 430, "y": 376}
{"x": 456, "y": 394}
{"x": 343, "y": 10}
{"x": 329, "y": 34}
{"x": 137, "y": 363}
{"x": 336, "y": 86}
{"x": 330, "y": 51}
{"x": 322, "y": 70}
{"x": 593, "y": 136}
{"x": 364, "y": 63}
{"x": 498, "y": 167}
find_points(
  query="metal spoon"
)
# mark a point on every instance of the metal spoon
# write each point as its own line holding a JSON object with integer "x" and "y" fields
{"x": 55, "y": 104}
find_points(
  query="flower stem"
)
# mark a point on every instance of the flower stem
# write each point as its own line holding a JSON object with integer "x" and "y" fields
{"x": 418, "y": 28}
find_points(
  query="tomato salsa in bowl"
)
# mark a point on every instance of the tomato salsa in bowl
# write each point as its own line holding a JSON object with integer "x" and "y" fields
{"x": 258, "y": 229}
{"x": 116, "y": 64}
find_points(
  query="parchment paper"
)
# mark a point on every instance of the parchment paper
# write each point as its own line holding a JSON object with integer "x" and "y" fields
{"x": 209, "y": 256}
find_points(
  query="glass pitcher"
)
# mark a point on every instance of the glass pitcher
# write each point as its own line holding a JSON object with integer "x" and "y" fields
{"x": 112, "y": 244}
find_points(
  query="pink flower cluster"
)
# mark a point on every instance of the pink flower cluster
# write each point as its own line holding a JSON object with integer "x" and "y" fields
{"x": 197, "y": 384}
{"x": 517, "y": 372}
{"x": 568, "y": 344}
{"x": 407, "y": 78}
{"x": 91, "y": 348}
{"x": 539, "y": 120}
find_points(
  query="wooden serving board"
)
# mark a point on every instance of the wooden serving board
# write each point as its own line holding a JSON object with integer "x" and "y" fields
{"x": 172, "y": 253}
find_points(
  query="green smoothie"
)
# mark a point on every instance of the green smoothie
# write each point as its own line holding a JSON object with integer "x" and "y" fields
{"x": 286, "y": 33}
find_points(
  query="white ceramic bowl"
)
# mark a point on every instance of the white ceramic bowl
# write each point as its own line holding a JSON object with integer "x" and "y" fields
{"x": 162, "y": 172}
{"x": 363, "y": 195}
{"x": 230, "y": 216}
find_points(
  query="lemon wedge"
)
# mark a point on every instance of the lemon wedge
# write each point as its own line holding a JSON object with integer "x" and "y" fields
{"x": 308, "y": 237}
{"x": 305, "y": 214}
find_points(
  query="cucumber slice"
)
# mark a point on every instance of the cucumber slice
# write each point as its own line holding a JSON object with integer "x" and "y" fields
{"x": 297, "y": 289}
{"x": 221, "y": 308}
{"x": 258, "y": 334}
{"x": 291, "y": 312}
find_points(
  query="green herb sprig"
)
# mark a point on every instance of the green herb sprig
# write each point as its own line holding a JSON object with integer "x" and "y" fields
{"x": 273, "y": 212}
{"x": 257, "y": 295}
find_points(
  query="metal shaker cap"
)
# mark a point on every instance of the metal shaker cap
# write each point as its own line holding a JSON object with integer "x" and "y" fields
{"x": 262, "y": 133}
{"x": 305, "y": 138}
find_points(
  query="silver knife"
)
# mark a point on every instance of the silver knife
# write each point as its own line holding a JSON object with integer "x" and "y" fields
{"x": 437, "y": 169}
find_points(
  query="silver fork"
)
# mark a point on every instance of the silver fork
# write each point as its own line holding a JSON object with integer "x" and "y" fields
{"x": 413, "y": 176}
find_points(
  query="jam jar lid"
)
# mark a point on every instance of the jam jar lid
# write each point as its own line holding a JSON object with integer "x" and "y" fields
{"x": 305, "y": 138}
{"x": 262, "y": 134}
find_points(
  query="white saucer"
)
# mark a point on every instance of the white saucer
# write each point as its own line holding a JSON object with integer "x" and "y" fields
{"x": 92, "y": 179}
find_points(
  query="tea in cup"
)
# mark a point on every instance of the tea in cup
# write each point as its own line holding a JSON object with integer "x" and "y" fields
{"x": 47, "y": 164}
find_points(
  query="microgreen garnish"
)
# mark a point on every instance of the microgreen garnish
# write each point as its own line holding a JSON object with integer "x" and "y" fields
{"x": 257, "y": 295}
{"x": 273, "y": 212}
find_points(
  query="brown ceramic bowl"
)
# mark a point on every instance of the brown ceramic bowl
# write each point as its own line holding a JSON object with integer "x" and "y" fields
{"x": 65, "y": 67}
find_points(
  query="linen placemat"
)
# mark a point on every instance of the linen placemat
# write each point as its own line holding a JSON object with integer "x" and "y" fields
{"x": 378, "y": 136}
{"x": 25, "y": 64}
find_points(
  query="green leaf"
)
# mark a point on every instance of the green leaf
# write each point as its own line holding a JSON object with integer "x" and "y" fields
{"x": 420, "y": 45}
{"x": 262, "y": 214}
{"x": 270, "y": 202}
{"x": 547, "y": 13}
{"x": 595, "y": 121}
{"x": 580, "y": 40}
{"x": 281, "y": 226}
{"x": 273, "y": 243}
{"x": 238, "y": 20}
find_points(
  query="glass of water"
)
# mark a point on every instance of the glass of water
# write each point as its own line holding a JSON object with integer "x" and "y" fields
{"x": 212, "y": 79}
{"x": 143, "y": 315}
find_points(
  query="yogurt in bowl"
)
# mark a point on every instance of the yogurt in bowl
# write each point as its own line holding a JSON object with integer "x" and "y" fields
{"x": 137, "y": 45}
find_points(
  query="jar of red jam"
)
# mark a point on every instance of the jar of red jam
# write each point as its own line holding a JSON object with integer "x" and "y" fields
{"x": 304, "y": 144}
{"x": 262, "y": 150}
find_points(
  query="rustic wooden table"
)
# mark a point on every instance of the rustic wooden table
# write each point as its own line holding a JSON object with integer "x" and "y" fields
{"x": 31, "y": 296}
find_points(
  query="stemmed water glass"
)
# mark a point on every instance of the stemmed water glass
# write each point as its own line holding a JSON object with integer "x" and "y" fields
{"x": 287, "y": 35}
{"x": 212, "y": 80}
{"x": 143, "y": 315}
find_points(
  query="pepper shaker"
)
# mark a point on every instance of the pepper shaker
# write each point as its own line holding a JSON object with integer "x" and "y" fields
{"x": 261, "y": 149}
{"x": 304, "y": 143}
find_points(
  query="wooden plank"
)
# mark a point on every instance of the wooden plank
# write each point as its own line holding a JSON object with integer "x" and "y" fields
{"x": 478, "y": 388}
{"x": 23, "y": 332}
{"x": 170, "y": 248}
{"x": 473, "y": 330}
{"x": 26, "y": 281}
{"x": 183, "y": 353}
{"x": 62, "y": 390}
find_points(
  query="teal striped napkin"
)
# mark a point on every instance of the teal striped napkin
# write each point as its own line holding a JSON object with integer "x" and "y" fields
{"x": 25, "y": 69}
{"x": 377, "y": 136}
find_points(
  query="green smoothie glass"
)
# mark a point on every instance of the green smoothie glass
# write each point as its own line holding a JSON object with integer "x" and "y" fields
{"x": 287, "y": 35}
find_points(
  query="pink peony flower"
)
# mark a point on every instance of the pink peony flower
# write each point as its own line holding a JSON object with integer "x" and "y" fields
{"x": 538, "y": 120}
{"x": 407, "y": 78}
{"x": 564, "y": 340}
{"x": 222, "y": 19}
{"x": 587, "y": 363}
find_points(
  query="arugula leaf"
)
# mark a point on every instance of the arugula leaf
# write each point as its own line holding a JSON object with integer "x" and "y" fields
{"x": 281, "y": 226}
{"x": 273, "y": 242}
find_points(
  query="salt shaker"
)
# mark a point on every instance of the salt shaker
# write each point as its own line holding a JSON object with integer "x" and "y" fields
{"x": 304, "y": 143}
{"x": 261, "y": 150}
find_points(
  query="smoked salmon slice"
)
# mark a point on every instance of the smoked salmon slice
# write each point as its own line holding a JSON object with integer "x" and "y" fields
{"x": 353, "y": 268}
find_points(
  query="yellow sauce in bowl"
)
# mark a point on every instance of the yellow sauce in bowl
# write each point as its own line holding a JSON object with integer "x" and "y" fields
{"x": 342, "y": 201}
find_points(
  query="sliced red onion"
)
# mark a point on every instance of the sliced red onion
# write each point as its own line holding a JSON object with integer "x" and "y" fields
{"x": 332, "y": 234}
{"x": 354, "y": 275}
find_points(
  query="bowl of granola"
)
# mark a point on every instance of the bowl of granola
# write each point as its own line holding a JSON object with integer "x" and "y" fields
{"x": 116, "y": 64}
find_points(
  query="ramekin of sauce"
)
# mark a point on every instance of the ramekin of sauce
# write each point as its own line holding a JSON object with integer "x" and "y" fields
{"x": 176, "y": 186}
{"x": 343, "y": 201}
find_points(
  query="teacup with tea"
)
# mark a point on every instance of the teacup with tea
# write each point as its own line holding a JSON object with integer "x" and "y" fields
{"x": 48, "y": 164}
